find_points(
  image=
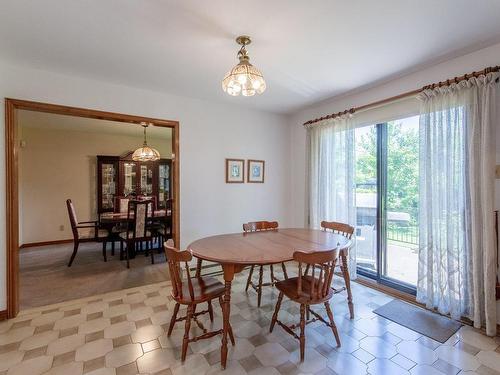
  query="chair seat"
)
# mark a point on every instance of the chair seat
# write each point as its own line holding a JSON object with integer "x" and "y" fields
{"x": 204, "y": 289}
{"x": 89, "y": 233}
{"x": 289, "y": 289}
{"x": 123, "y": 235}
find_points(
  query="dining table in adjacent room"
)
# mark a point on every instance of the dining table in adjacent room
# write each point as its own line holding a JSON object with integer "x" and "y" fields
{"x": 238, "y": 250}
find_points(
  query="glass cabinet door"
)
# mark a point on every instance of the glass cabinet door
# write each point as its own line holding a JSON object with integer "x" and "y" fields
{"x": 129, "y": 178}
{"x": 108, "y": 186}
{"x": 163, "y": 184}
{"x": 146, "y": 179}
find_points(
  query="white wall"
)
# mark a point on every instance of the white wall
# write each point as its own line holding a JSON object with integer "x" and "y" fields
{"x": 57, "y": 164}
{"x": 456, "y": 67}
{"x": 209, "y": 132}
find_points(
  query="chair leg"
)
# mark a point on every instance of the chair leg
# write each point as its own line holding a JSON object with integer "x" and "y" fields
{"x": 127, "y": 252}
{"x": 347, "y": 280}
{"x": 276, "y": 311}
{"x": 302, "y": 331}
{"x": 113, "y": 248}
{"x": 121, "y": 250}
{"x": 173, "y": 319}
{"x": 271, "y": 269}
{"x": 187, "y": 327}
{"x": 249, "y": 278}
{"x": 259, "y": 289}
{"x": 284, "y": 271}
{"x": 332, "y": 323}
{"x": 210, "y": 311}
{"x": 104, "y": 251}
{"x": 75, "y": 250}
{"x": 149, "y": 247}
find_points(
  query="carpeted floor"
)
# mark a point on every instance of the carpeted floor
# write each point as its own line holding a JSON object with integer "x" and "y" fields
{"x": 45, "y": 277}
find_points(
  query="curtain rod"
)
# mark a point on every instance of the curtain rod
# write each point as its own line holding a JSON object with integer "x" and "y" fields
{"x": 406, "y": 94}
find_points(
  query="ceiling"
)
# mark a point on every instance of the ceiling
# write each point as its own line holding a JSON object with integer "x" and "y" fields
{"x": 50, "y": 121}
{"x": 307, "y": 50}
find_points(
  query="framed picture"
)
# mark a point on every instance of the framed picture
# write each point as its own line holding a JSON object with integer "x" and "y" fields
{"x": 255, "y": 171}
{"x": 235, "y": 171}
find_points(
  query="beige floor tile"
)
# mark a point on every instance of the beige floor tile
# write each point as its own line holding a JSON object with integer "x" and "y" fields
{"x": 10, "y": 359}
{"x": 15, "y": 335}
{"x": 490, "y": 359}
{"x": 94, "y": 325}
{"x": 65, "y": 344}
{"x": 140, "y": 313}
{"x": 70, "y": 321}
{"x": 146, "y": 334}
{"x": 271, "y": 354}
{"x": 41, "y": 339}
{"x": 194, "y": 364}
{"x": 123, "y": 355}
{"x": 94, "y": 349}
{"x": 457, "y": 358}
{"x": 102, "y": 371}
{"x": 156, "y": 360}
{"x": 47, "y": 318}
{"x": 116, "y": 310}
{"x": 73, "y": 368}
{"x": 417, "y": 353}
{"x": 119, "y": 329}
{"x": 33, "y": 366}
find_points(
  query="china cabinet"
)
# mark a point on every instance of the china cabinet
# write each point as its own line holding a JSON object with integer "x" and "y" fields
{"x": 121, "y": 176}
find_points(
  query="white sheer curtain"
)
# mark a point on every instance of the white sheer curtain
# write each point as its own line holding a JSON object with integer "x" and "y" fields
{"x": 457, "y": 257}
{"x": 331, "y": 189}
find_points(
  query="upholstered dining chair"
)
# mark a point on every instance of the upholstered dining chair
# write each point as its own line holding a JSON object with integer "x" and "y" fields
{"x": 347, "y": 231}
{"x": 138, "y": 216}
{"x": 309, "y": 289}
{"x": 259, "y": 226}
{"x": 192, "y": 292}
{"x": 121, "y": 204}
{"x": 84, "y": 231}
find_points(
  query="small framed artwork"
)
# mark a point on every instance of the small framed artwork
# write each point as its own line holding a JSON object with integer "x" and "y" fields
{"x": 256, "y": 171}
{"x": 235, "y": 171}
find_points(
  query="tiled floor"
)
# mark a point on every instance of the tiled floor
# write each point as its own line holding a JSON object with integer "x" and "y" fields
{"x": 123, "y": 332}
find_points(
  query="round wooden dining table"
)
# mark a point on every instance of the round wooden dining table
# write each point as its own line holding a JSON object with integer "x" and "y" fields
{"x": 237, "y": 250}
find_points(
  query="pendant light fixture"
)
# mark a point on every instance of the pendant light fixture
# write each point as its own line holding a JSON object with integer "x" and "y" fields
{"x": 244, "y": 78}
{"x": 145, "y": 153}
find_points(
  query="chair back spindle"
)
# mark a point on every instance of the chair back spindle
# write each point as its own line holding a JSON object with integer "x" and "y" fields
{"x": 340, "y": 228}
{"x": 257, "y": 226}
{"x": 322, "y": 265}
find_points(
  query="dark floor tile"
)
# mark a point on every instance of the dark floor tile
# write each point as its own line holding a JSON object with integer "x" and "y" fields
{"x": 122, "y": 340}
{"x": 68, "y": 332}
{"x": 445, "y": 367}
{"x": 33, "y": 353}
{"x": 250, "y": 363}
{"x": 93, "y": 364}
{"x": 63, "y": 358}
{"x": 94, "y": 336}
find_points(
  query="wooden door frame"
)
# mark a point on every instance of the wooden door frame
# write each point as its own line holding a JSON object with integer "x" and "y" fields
{"x": 11, "y": 169}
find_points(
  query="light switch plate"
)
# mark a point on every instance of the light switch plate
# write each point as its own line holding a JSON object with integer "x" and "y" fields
{"x": 497, "y": 171}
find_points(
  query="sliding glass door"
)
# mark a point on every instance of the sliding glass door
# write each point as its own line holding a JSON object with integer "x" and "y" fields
{"x": 387, "y": 202}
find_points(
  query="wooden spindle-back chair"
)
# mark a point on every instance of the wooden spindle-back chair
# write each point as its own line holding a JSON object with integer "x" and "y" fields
{"x": 191, "y": 292}
{"x": 345, "y": 230}
{"x": 259, "y": 226}
{"x": 309, "y": 288}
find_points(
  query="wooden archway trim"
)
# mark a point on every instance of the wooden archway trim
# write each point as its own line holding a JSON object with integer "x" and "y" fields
{"x": 12, "y": 188}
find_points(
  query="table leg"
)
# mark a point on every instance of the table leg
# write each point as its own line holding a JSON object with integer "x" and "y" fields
{"x": 229, "y": 271}
{"x": 228, "y": 278}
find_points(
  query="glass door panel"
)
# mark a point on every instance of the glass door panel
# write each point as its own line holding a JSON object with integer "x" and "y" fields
{"x": 163, "y": 184}
{"x": 129, "y": 178}
{"x": 146, "y": 179}
{"x": 108, "y": 173}
{"x": 402, "y": 197}
{"x": 366, "y": 198}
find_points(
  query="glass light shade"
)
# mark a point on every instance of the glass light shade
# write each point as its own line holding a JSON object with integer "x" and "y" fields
{"x": 244, "y": 79}
{"x": 145, "y": 153}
